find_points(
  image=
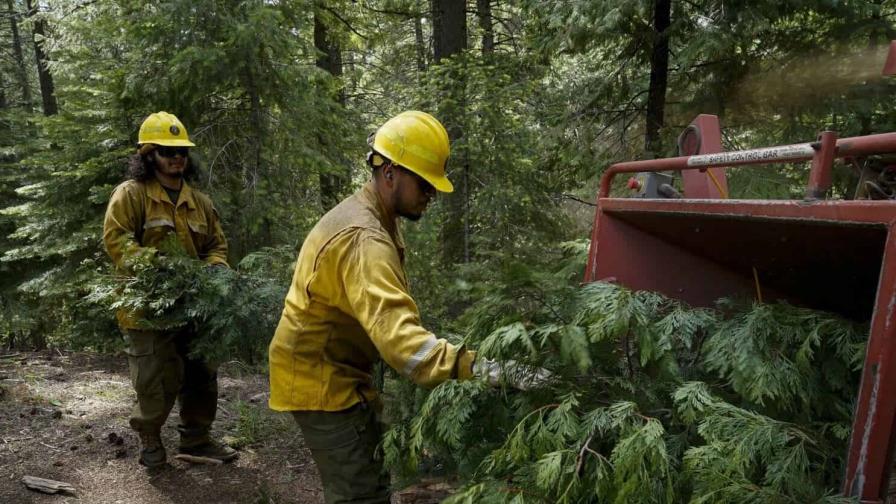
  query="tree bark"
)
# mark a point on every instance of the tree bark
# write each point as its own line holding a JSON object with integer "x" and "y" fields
{"x": 449, "y": 24}
{"x": 329, "y": 56}
{"x": 659, "y": 76}
{"x": 18, "y": 54}
{"x": 253, "y": 170}
{"x": 876, "y": 36}
{"x": 256, "y": 115}
{"x": 419, "y": 42}
{"x": 4, "y": 104}
{"x": 333, "y": 181}
{"x": 449, "y": 39}
{"x": 47, "y": 87}
{"x": 486, "y": 24}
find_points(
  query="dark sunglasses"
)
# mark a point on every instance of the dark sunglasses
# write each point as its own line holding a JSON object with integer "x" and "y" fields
{"x": 170, "y": 152}
{"x": 425, "y": 187}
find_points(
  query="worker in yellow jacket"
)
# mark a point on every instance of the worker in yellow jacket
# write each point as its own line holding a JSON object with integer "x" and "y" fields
{"x": 154, "y": 204}
{"x": 349, "y": 305}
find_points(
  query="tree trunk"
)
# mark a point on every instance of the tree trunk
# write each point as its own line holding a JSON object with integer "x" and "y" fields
{"x": 47, "y": 88}
{"x": 876, "y": 36}
{"x": 659, "y": 76}
{"x": 3, "y": 103}
{"x": 449, "y": 24}
{"x": 333, "y": 182}
{"x": 351, "y": 84}
{"x": 420, "y": 43}
{"x": 18, "y": 54}
{"x": 329, "y": 56}
{"x": 449, "y": 39}
{"x": 256, "y": 115}
{"x": 484, "y": 11}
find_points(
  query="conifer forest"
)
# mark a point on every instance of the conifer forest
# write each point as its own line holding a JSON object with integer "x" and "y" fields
{"x": 651, "y": 398}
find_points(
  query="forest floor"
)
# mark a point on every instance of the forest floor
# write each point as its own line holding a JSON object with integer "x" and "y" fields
{"x": 64, "y": 416}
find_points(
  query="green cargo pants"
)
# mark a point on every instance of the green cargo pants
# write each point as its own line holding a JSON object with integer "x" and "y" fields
{"x": 342, "y": 444}
{"x": 161, "y": 373}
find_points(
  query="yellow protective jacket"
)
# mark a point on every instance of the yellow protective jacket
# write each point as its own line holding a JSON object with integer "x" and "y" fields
{"x": 349, "y": 305}
{"x": 140, "y": 214}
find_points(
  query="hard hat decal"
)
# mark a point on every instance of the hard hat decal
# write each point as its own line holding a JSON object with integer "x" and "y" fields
{"x": 163, "y": 128}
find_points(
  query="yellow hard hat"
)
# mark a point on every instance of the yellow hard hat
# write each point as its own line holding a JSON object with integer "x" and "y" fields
{"x": 163, "y": 128}
{"x": 416, "y": 141}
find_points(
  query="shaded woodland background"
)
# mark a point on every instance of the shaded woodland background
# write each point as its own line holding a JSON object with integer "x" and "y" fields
{"x": 653, "y": 402}
{"x": 539, "y": 96}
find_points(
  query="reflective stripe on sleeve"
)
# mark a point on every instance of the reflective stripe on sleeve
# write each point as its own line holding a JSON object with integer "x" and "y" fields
{"x": 420, "y": 354}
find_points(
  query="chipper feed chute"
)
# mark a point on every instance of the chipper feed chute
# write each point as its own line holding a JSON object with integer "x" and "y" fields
{"x": 832, "y": 255}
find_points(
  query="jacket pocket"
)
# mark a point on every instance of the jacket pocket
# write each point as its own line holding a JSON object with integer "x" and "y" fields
{"x": 155, "y": 230}
{"x": 198, "y": 227}
{"x": 199, "y": 234}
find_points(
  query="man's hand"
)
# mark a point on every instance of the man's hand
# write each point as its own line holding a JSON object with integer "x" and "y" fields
{"x": 518, "y": 376}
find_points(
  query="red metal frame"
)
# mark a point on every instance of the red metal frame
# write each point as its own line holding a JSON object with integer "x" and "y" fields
{"x": 700, "y": 250}
{"x": 707, "y": 132}
{"x": 820, "y": 175}
{"x": 845, "y": 147}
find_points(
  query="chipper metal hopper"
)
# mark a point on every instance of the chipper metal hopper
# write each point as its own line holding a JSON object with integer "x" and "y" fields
{"x": 827, "y": 254}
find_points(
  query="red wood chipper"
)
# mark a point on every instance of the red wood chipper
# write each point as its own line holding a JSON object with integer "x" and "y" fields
{"x": 826, "y": 254}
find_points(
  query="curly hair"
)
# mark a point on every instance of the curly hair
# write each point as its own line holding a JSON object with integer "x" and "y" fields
{"x": 142, "y": 167}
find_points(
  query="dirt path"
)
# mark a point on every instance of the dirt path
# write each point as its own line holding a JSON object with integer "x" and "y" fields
{"x": 64, "y": 417}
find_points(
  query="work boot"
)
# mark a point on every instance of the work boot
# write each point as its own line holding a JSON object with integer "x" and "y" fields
{"x": 210, "y": 449}
{"x": 152, "y": 453}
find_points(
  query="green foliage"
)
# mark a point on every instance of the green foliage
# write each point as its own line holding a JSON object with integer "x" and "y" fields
{"x": 804, "y": 369}
{"x": 256, "y": 423}
{"x": 233, "y": 312}
{"x": 233, "y": 71}
{"x": 651, "y": 401}
{"x": 652, "y": 397}
{"x": 560, "y": 96}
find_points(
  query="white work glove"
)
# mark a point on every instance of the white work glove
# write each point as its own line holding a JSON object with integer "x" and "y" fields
{"x": 518, "y": 376}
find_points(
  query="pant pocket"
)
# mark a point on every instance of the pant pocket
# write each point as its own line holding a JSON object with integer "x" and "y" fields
{"x": 144, "y": 365}
{"x": 330, "y": 438}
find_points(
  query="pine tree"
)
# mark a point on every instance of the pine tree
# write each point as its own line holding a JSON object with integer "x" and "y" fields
{"x": 263, "y": 122}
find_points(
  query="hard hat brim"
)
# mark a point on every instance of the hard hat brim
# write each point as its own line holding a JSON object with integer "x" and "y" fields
{"x": 442, "y": 184}
{"x": 172, "y": 142}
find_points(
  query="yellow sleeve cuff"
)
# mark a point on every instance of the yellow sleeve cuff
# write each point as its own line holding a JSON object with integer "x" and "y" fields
{"x": 465, "y": 364}
{"x": 212, "y": 261}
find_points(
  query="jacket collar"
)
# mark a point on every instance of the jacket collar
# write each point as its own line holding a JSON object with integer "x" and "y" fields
{"x": 157, "y": 193}
{"x": 372, "y": 200}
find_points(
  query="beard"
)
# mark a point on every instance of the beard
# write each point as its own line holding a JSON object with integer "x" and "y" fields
{"x": 172, "y": 172}
{"x": 403, "y": 210}
{"x": 413, "y": 217}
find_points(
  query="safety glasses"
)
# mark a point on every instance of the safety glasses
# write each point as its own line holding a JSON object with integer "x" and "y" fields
{"x": 425, "y": 187}
{"x": 170, "y": 152}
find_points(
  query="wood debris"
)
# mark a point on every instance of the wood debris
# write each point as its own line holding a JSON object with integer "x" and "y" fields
{"x": 47, "y": 486}
{"x": 198, "y": 460}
